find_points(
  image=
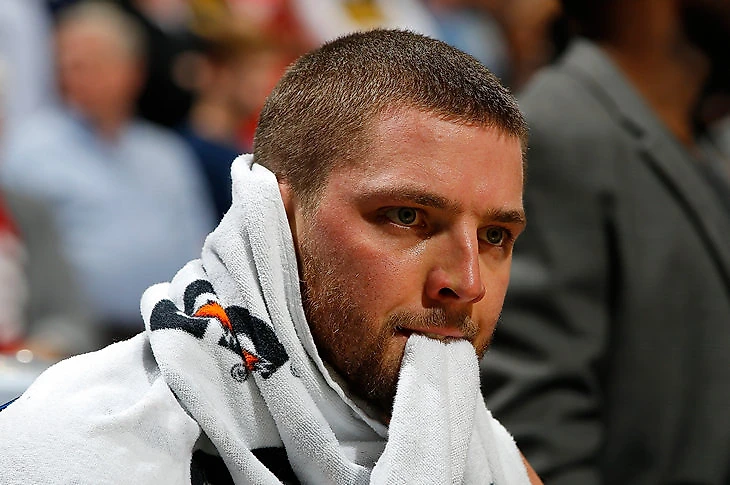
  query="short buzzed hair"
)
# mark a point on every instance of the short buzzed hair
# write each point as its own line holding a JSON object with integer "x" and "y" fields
{"x": 320, "y": 115}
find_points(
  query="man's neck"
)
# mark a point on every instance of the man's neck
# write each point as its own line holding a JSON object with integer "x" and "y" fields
{"x": 105, "y": 126}
{"x": 110, "y": 130}
{"x": 665, "y": 69}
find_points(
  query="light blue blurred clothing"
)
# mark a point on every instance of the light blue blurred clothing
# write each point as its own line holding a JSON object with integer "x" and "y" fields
{"x": 130, "y": 213}
{"x": 475, "y": 32}
{"x": 27, "y": 79}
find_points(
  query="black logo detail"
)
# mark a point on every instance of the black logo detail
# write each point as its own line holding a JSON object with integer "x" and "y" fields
{"x": 267, "y": 354}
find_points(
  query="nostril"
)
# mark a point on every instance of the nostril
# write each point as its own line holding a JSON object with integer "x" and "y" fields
{"x": 448, "y": 293}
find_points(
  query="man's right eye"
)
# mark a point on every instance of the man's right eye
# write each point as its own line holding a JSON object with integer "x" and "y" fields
{"x": 404, "y": 216}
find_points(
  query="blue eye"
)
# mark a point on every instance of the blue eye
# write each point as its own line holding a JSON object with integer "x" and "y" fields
{"x": 405, "y": 216}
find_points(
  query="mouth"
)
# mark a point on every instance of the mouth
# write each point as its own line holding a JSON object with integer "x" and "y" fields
{"x": 437, "y": 333}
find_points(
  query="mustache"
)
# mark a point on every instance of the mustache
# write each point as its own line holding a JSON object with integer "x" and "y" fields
{"x": 434, "y": 318}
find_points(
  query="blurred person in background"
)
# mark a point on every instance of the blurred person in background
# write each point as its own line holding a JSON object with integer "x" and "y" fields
{"x": 472, "y": 29}
{"x": 240, "y": 66}
{"x": 326, "y": 19}
{"x": 720, "y": 163}
{"x": 612, "y": 362}
{"x": 275, "y": 17}
{"x": 167, "y": 92}
{"x": 518, "y": 33}
{"x": 43, "y": 310}
{"x": 331, "y": 330}
{"x": 26, "y": 59}
{"x": 13, "y": 286}
{"x": 510, "y": 37}
{"x": 126, "y": 195}
{"x": 527, "y": 30}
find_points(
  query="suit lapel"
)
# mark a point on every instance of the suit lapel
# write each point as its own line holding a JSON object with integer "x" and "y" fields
{"x": 665, "y": 155}
{"x": 699, "y": 200}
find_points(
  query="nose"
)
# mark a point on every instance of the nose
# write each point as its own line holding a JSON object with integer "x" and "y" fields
{"x": 455, "y": 278}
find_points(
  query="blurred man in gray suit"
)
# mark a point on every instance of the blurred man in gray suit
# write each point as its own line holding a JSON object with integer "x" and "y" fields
{"x": 612, "y": 364}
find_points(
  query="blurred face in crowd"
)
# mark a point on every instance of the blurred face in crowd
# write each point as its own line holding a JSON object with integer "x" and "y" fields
{"x": 97, "y": 75}
{"x": 415, "y": 239}
{"x": 255, "y": 75}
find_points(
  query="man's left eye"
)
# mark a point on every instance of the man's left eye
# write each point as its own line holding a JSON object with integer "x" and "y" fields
{"x": 495, "y": 236}
{"x": 404, "y": 216}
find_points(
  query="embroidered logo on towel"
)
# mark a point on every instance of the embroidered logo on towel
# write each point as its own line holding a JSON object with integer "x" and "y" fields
{"x": 242, "y": 333}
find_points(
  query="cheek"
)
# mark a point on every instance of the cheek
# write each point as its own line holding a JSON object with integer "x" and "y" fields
{"x": 374, "y": 271}
{"x": 489, "y": 308}
{"x": 486, "y": 313}
{"x": 374, "y": 275}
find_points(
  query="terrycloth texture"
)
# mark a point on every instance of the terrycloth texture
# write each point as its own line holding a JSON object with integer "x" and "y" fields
{"x": 438, "y": 406}
{"x": 231, "y": 343}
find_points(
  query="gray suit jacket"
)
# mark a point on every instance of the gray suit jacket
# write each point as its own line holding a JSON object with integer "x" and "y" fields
{"x": 611, "y": 364}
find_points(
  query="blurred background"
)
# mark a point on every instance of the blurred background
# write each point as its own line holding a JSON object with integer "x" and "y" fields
{"x": 120, "y": 120}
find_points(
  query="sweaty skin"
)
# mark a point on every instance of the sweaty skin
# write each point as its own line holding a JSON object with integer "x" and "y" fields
{"x": 416, "y": 238}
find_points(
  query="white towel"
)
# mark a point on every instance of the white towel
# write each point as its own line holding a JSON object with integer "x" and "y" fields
{"x": 229, "y": 337}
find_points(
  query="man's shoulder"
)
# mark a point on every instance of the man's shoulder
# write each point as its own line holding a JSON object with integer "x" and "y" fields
{"x": 100, "y": 382}
{"x": 44, "y": 141}
{"x": 91, "y": 415}
{"x": 570, "y": 121}
{"x": 157, "y": 136}
{"x": 49, "y": 124}
{"x": 558, "y": 99}
{"x": 173, "y": 157}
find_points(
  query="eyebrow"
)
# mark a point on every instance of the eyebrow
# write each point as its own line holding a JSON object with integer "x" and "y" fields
{"x": 417, "y": 196}
{"x": 427, "y": 199}
{"x": 508, "y": 216}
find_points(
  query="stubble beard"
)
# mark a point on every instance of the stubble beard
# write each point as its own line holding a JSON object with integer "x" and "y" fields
{"x": 348, "y": 338}
{"x": 361, "y": 349}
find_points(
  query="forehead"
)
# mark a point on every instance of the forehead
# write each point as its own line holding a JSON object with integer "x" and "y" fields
{"x": 83, "y": 39}
{"x": 421, "y": 150}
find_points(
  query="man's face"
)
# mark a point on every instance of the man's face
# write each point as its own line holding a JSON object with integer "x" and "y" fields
{"x": 415, "y": 239}
{"x": 96, "y": 76}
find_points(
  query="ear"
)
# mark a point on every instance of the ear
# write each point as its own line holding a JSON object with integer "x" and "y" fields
{"x": 291, "y": 206}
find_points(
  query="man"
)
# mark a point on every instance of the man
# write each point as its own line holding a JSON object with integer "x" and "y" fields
{"x": 126, "y": 195}
{"x": 392, "y": 193}
{"x": 167, "y": 94}
{"x": 611, "y": 365}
